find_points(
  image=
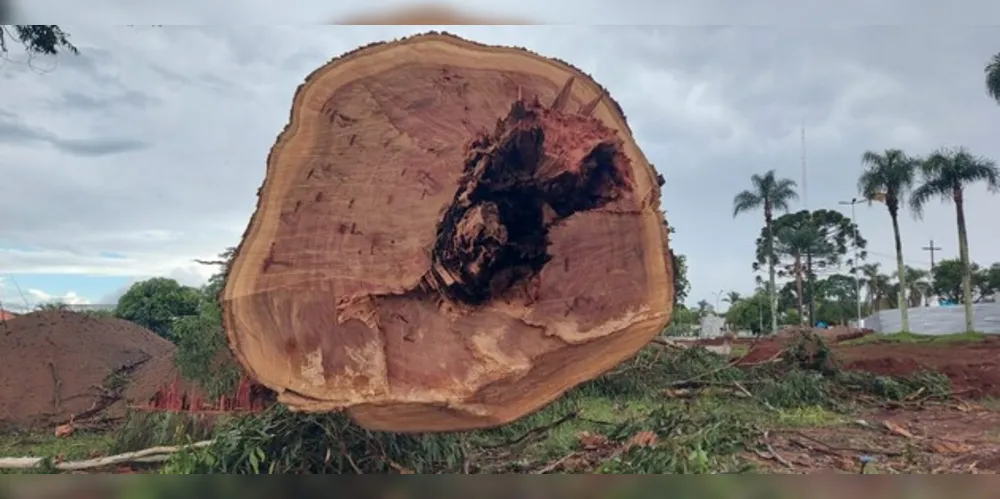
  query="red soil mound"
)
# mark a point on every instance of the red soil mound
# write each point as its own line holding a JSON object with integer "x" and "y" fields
{"x": 766, "y": 347}
{"x": 57, "y": 365}
{"x": 972, "y": 367}
{"x": 156, "y": 375}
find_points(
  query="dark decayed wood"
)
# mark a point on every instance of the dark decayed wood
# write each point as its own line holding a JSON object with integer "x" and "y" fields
{"x": 449, "y": 236}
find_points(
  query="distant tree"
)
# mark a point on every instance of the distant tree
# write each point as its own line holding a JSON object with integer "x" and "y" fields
{"x": 216, "y": 282}
{"x": 982, "y": 282}
{"x": 887, "y": 177}
{"x": 947, "y": 278}
{"x": 202, "y": 353}
{"x": 37, "y": 39}
{"x": 918, "y": 286}
{"x": 992, "y": 278}
{"x": 946, "y": 175}
{"x": 681, "y": 284}
{"x": 770, "y": 194}
{"x": 790, "y": 316}
{"x": 948, "y": 275}
{"x": 679, "y": 266}
{"x": 993, "y": 77}
{"x": 732, "y": 297}
{"x": 879, "y": 287}
{"x": 788, "y": 296}
{"x": 58, "y": 305}
{"x": 156, "y": 303}
{"x": 807, "y": 241}
{"x": 794, "y": 243}
{"x": 99, "y": 313}
{"x": 837, "y": 299}
{"x": 703, "y": 307}
{"x": 683, "y": 316}
{"x": 750, "y": 313}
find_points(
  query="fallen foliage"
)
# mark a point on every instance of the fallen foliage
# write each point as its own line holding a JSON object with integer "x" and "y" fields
{"x": 665, "y": 411}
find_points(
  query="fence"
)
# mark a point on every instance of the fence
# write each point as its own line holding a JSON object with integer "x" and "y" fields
{"x": 938, "y": 320}
{"x": 711, "y": 326}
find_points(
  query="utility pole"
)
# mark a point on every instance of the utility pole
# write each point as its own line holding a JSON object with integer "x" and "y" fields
{"x": 857, "y": 279}
{"x": 932, "y": 249}
{"x": 805, "y": 170}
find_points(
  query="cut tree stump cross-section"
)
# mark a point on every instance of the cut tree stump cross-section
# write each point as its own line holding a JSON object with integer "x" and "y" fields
{"x": 449, "y": 236}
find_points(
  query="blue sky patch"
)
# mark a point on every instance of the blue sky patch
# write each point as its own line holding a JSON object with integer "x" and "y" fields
{"x": 93, "y": 288}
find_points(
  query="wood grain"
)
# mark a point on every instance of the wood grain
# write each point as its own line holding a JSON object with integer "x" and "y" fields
{"x": 340, "y": 298}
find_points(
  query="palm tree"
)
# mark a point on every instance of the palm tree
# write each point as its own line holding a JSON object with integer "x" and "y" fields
{"x": 887, "y": 177}
{"x": 879, "y": 285}
{"x": 918, "y": 286}
{"x": 993, "y": 77}
{"x": 732, "y": 297}
{"x": 703, "y": 306}
{"x": 771, "y": 194}
{"x": 946, "y": 174}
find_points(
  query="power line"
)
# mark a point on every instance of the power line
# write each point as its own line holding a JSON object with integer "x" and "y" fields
{"x": 27, "y": 305}
{"x": 893, "y": 258}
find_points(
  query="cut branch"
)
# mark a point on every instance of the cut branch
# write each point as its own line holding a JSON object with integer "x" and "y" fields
{"x": 151, "y": 455}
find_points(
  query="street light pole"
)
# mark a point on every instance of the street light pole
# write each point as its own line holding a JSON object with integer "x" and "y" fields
{"x": 857, "y": 279}
{"x": 718, "y": 295}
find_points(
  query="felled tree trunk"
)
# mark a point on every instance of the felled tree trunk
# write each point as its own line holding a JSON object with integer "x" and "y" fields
{"x": 449, "y": 236}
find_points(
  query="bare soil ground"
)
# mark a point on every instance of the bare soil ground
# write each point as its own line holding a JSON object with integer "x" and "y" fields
{"x": 943, "y": 438}
{"x": 961, "y": 435}
{"x": 920, "y": 434}
{"x": 972, "y": 366}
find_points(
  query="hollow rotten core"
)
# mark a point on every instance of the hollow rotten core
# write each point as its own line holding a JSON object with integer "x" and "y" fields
{"x": 538, "y": 167}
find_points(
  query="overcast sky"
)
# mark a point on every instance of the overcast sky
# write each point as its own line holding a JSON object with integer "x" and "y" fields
{"x": 146, "y": 150}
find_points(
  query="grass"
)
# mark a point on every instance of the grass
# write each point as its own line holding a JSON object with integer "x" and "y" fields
{"x": 81, "y": 445}
{"x": 992, "y": 403}
{"x": 917, "y": 338}
{"x": 665, "y": 411}
{"x": 739, "y": 350}
{"x": 697, "y": 412}
{"x": 810, "y": 417}
{"x": 139, "y": 430}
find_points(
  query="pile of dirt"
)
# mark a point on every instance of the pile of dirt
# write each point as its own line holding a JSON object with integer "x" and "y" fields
{"x": 59, "y": 365}
{"x": 973, "y": 367}
{"x": 154, "y": 376}
{"x": 767, "y": 347}
{"x": 833, "y": 334}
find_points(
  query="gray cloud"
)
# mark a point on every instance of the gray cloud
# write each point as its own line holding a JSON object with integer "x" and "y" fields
{"x": 709, "y": 106}
{"x": 97, "y": 147}
{"x": 79, "y": 101}
{"x": 15, "y": 132}
{"x": 622, "y": 12}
